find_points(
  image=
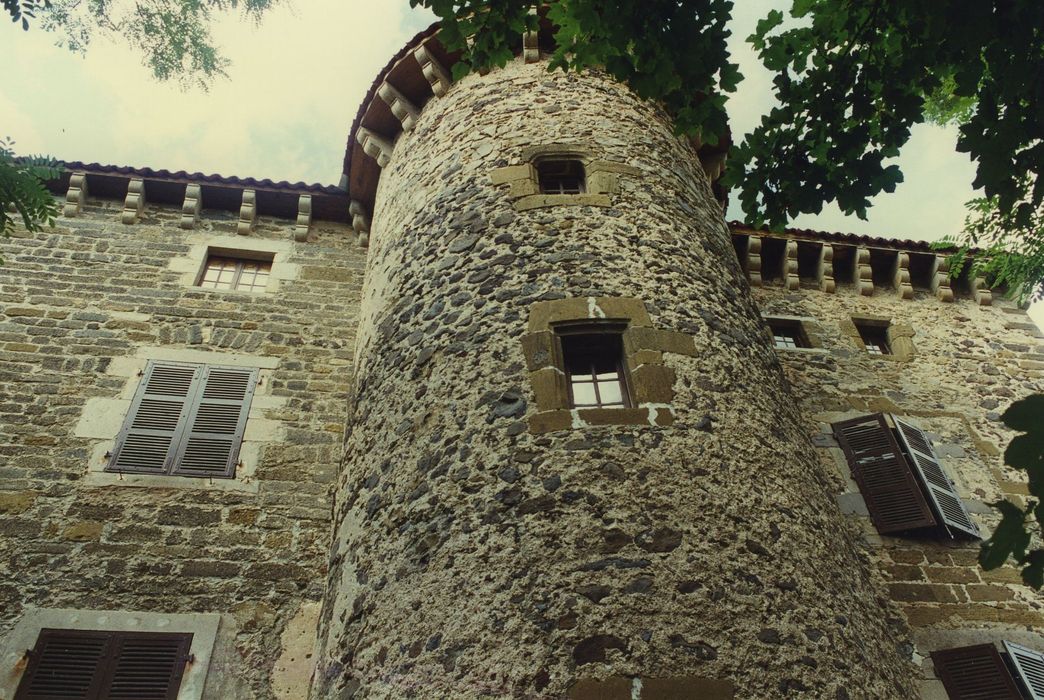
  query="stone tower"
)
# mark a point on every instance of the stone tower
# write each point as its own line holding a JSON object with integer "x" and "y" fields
{"x": 491, "y": 539}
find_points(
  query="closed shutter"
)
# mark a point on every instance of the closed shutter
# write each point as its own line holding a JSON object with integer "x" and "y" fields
{"x": 886, "y": 482}
{"x": 941, "y": 490}
{"x": 1029, "y": 666}
{"x": 147, "y": 666}
{"x": 975, "y": 673}
{"x": 216, "y": 421}
{"x": 65, "y": 664}
{"x": 90, "y": 665}
{"x": 150, "y": 431}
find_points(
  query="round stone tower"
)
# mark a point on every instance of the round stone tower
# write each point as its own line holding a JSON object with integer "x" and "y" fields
{"x": 495, "y": 534}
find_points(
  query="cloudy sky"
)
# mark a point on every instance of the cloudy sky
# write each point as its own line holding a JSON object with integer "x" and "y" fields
{"x": 292, "y": 91}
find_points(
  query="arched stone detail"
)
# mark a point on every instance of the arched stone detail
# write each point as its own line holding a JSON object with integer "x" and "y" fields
{"x": 191, "y": 206}
{"x": 134, "y": 203}
{"x": 864, "y": 273}
{"x": 902, "y": 276}
{"x": 754, "y": 261}
{"x": 247, "y": 213}
{"x": 825, "y": 271}
{"x": 941, "y": 279}
{"x": 76, "y": 196}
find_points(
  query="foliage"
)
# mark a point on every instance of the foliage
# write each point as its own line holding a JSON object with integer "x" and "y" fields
{"x": 665, "y": 50}
{"x": 173, "y": 36}
{"x": 1016, "y": 532}
{"x": 22, "y": 189}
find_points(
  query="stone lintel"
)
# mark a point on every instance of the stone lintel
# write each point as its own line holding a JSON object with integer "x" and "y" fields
{"x": 536, "y": 201}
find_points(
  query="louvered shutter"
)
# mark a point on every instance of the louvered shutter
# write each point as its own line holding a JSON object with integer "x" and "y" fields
{"x": 1029, "y": 666}
{"x": 66, "y": 664}
{"x": 886, "y": 482}
{"x": 146, "y": 666}
{"x": 151, "y": 429}
{"x": 975, "y": 673}
{"x": 941, "y": 491}
{"x": 214, "y": 429}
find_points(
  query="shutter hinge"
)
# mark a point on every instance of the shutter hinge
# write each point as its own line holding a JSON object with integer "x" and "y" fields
{"x": 141, "y": 373}
{"x": 108, "y": 455}
{"x": 190, "y": 659}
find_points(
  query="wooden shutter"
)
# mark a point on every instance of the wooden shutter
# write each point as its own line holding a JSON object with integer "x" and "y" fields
{"x": 151, "y": 429}
{"x": 215, "y": 424}
{"x": 941, "y": 491}
{"x": 147, "y": 666}
{"x": 886, "y": 482}
{"x": 96, "y": 665}
{"x": 975, "y": 673}
{"x": 65, "y": 664}
{"x": 1029, "y": 667}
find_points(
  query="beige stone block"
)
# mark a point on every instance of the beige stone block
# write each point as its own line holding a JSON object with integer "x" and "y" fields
{"x": 511, "y": 173}
{"x": 549, "y": 387}
{"x": 644, "y": 357}
{"x": 686, "y": 687}
{"x": 653, "y": 384}
{"x": 549, "y": 421}
{"x": 537, "y": 201}
{"x": 13, "y": 503}
{"x": 609, "y": 689}
{"x": 292, "y": 674}
{"x": 85, "y": 531}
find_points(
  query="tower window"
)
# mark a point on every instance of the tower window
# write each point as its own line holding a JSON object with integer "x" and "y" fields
{"x": 561, "y": 176}
{"x": 874, "y": 337}
{"x": 594, "y": 367}
{"x": 222, "y": 272}
{"x": 788, "y": 334}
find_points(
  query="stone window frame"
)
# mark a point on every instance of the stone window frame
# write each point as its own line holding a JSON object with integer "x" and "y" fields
{"x": 202, "y": 626}
{"x": 202, "y": 246}
{"x": 103, "y": 417}
{"x": 601, "y": 177}
{"x": 587, "y": 330}
{"x": 650, "y": 381}
{"x": 899, "y": 336}
{"x": 810, "y": 329}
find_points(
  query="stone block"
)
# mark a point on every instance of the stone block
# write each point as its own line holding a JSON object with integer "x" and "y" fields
{"x": 653, "y": 384}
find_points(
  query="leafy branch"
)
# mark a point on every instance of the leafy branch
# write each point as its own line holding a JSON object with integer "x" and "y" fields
{"x": 23, "y": 192}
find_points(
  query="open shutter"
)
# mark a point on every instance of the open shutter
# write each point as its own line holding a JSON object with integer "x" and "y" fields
{"x": 1029, "y": 667}
{"x": 210, "y": 446}
{"x": 886, "y": 482}
{"x": 151, "y": 428}
{"x": 941, "y": 490}
{"x": 975, "y": 673}
{"x": 65, "y": 664}
{"x": 147, "y": 666}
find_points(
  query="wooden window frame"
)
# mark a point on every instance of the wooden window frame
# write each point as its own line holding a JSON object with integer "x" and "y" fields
{"x": 792, "y": 329}
{"x": 593, "y": 331}
{"x": 107, "y": 665}
{"x": 874, "y": 336}
{"x": 199, "y": 423}
{"x": 240, "y": 258}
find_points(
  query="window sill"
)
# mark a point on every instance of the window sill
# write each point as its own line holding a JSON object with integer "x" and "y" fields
{"x": 805, "y": 351}
{"x": 159, "y": 481}
{"x": 536, "y": 201}
{"x": 649, "y": 415}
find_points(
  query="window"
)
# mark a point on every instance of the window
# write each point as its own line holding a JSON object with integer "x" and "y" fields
{"x": 593, "y": 361}
{"x": 788, "y": 334}
{"x": 185, "y": 420}
{"x": 561, "y": 176}
{"x": 97, "y": 665}
{"x": 874, "y": 336}
{"x": 224, "y": 272}
{"x": 900, "y": 477}
{"x": 982, "y": 672}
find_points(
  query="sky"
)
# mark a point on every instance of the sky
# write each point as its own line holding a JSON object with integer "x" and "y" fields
{"x": 296, "y": 81}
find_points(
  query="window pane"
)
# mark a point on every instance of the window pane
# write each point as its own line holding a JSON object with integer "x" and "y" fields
{"x": 584, "y": 394}
{"x": 611, "y": 392}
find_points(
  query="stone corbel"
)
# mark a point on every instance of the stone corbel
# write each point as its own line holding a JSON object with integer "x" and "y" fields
{"x": 404, "y": 110}
{"x": 982, "y": 293}
{"x": 902, "y": 275}
{"x": 76, "y": 196}
{"x": 378, "y": 148}
{"x": 941, "y": 279}
{"x": 530, "y": 47}
{"x": 864, "y": 273}
{"x": 247, "y": 213}
{"x": 754, "y": 261}
{"x": 791, "y": 280}
{"x": 304, "y": 218}
{"x": 191, "y": 206}
{"x": 437, "y": 75}
{"x": 134, "y": 204}
{"x": 360, "y": 222}
{"x": 825, "y": 272}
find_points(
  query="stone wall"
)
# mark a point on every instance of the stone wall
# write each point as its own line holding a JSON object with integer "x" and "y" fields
{"x": 685, "y": 547}
{"x": 969, "y": 363}
{"x": 82, "y": 308}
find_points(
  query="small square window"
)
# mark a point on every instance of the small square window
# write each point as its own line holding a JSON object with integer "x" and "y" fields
{"x": 561, "y": 176}
{"x": 594, "y": 367}
{"x": 788, "y": 334}
{"x": 874, "y": 336}
{"x": 242, "y": 274}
